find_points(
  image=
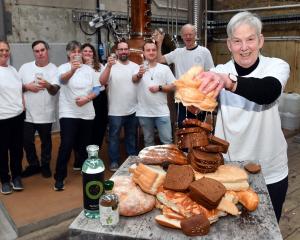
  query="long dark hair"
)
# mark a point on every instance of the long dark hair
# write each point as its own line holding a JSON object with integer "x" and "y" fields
{"x": 96, "y": 64}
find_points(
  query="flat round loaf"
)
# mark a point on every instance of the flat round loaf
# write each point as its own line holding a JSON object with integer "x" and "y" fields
{"x": 197, "y": 225}
{"x": 132, "y": 200}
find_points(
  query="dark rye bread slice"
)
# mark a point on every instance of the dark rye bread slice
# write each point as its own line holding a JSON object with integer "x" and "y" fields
{"x": 196, "y": 166}
{"x": 218, "y": 141}
{"x": 178, "y": 178}
{"x": 207, "y": 192}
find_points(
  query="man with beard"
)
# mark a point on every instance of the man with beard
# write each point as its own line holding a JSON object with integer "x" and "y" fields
{"x": 122, "y": 102}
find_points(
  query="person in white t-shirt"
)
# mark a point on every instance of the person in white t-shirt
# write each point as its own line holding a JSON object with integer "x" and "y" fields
{"x": 40, "y": 87}
{"x": 122, "y": 102}
{"x": 185, "y": 58}
{"x": 11, "y": 124}
{"x": 79, "y": 86}
{"x": 249, "y": 86}
{"x": 153, "y": 85}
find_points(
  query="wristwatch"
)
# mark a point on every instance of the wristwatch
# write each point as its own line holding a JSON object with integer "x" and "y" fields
{"x": 160, "y": 88}
{"x": 233, "y": 79}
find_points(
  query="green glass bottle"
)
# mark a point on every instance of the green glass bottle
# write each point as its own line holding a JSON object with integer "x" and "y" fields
{"x": 92, "y": 182}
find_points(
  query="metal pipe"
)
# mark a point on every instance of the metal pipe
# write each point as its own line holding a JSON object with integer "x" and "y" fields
{"x": 158, "y": 5}
{"x": 2, "y": 21}
{"x": 168, "y": 16}
{"x": 196, "y": 18}
{"x": 176, "y": 19}
{"x": 255, "y": 9}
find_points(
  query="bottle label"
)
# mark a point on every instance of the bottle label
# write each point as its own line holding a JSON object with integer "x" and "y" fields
{"x": 108, "y": 215}
{"x": 92, "y": 190}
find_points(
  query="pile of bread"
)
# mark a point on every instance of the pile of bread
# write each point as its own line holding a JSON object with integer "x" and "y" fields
{"x": 189, "y": 200}
{"x": 188, "y": 94}
{"x": 204, "y": 149}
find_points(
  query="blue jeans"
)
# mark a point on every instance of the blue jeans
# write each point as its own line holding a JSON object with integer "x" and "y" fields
{"x": 115, "y": 125}
{"x": 163, "y": 125}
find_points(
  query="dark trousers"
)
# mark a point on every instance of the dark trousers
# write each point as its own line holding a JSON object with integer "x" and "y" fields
{"x": 101, "y": 119}
{"x": 277, "y": 192}
{"x": 183, "y": 113}
{"x": 11, "y": 141}
{"x": 44, "y": 131}
{"x": 74, "y": 133}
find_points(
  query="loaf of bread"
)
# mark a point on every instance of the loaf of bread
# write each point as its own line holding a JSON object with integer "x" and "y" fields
{"x": 167, "y": 222}
{"x": 180, "y": 203}
{"x": 162, "y": 153}
{"x": 148, "y": 177}
{"x": 178, "y": 177}
{"x": 132, "y": 200}
{"x": 231, "y": 176}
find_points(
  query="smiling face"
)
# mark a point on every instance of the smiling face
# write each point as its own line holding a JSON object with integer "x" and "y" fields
{"x": 4, "y": 53}
{"x": 188, "y": 35}
{"x": 87, "y": 54}
{"x": 245, "y": 45}
{"x": 122, "y": 51}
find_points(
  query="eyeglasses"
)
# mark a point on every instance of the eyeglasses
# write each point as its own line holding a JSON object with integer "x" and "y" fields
{"x": 123, "y": 49}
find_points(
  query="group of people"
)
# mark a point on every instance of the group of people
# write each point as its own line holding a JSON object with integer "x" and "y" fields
{"x": 247, "y": 88}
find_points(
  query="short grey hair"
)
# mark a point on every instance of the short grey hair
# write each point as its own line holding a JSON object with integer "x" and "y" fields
{"x": 188, "y": 25}
{"x": 244, "y": 18}
{"x": 73, "y": 45}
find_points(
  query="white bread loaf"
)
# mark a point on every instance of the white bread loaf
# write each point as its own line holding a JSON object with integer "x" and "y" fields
{"x": 231, "y": 176}
{"x": 132, "y": 200}
{"x": 148, "y": 177}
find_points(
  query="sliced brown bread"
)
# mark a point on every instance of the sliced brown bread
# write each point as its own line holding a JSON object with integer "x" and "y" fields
{"x": 179, "y": 178}
{"x": 207, "y": 192}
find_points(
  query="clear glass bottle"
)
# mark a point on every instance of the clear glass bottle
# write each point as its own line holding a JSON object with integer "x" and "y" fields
{"x": 109, "y": 206}
{"x": 92, "y": 182}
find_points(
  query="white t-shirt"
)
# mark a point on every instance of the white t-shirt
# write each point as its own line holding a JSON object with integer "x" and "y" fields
{"x": 10, "y": 93}
{"x": 80, "y": 84}
{"x": 153, "y": 104}
{"x": 122, "y": 99}
{"x": 253, "y": 130}
{"x": 40, "y": 106}
{"x": 185, "y": 59}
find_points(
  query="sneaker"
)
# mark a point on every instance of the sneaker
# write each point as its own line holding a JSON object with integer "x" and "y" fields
{"x": 17, "y": 184}
{"x": 113, "y": 167}
{"x": 59, "y": 185}
{"x": 46, "y": 171}
{"x": 31, "y": 170}
{"x": 6, "y": 188}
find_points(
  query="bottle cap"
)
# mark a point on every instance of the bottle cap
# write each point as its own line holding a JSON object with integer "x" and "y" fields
{"x": 92, "y": 148}
{"x": 108, "y": 185}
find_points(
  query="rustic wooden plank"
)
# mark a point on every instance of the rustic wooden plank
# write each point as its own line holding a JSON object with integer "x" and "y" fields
{"x": 260, "y": 224}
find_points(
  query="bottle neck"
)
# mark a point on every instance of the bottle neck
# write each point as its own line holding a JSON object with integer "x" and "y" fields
{"x": 93, "y": 154}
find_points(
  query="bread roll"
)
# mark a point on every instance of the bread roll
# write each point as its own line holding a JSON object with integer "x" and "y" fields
{"x": 249, "y": 199}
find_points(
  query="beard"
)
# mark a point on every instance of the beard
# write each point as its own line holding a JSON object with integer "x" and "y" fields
{"x": 123, "y": 58}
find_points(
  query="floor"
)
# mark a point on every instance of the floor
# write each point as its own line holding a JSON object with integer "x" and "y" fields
{"x": 40, "y": 207}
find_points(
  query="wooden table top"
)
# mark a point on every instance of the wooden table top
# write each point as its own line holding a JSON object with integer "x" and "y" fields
{"x": 260, "y": 224}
